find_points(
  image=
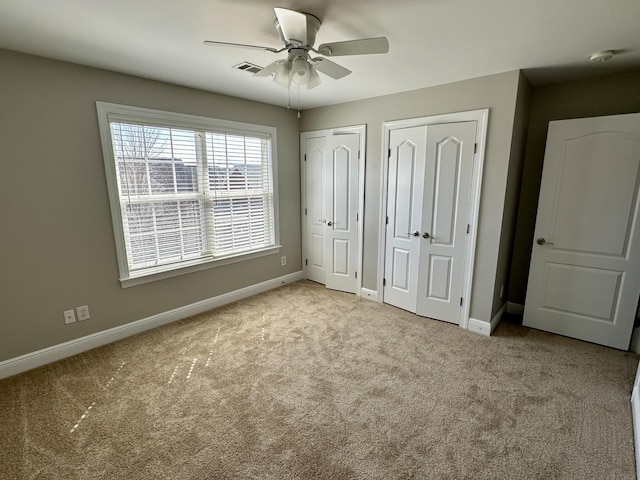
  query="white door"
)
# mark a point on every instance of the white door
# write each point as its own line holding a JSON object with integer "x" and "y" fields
{"x": 332, "y": 209}
{"x": 430, "y": 173}
{"x": 315, "y": 188}
{"x": 405, "y": 195}
{"x": 584, "y": 278}
{"x": 447, "y": 187}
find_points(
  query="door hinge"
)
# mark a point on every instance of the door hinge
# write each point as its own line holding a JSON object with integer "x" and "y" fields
{"x": 475, "y": 148}
{"x": 356, "y": 274}
{"x": 305, "y": 212}
{"x": 306, "y": 261}
{"x": 460, "y": 301}
{"x": 389, "y": 153}
{"x": 384, "y": 282}
{"x": 357, "y": 217}
{"x": 358, "y": 154}
{"x": 387, "y": 221}
{"x": 468, "y": 228}
{"x": 305, "y": 157}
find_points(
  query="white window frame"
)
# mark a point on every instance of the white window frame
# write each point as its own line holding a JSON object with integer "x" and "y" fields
{"x": 111, "y": 112}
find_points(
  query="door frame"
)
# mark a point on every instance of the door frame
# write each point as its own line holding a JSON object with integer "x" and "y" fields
{"x": 482, "y": 118}
{"x": 361, "y": 130}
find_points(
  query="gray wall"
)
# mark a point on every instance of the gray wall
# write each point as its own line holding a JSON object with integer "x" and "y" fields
{"x": 496, "y": 92}
{"x": 609, "y": 95}
{"x": 512, "y": 194}
{"x": 57, "y": 249}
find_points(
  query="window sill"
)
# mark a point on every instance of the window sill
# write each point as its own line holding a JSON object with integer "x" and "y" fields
{"x": 196, "y": 266}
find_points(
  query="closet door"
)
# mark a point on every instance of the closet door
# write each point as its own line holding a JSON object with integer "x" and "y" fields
{"x": 331, "y": 203}
{"x": 315, "y": 189}
{"x": 405, "y": 198}
{"x": 341, "y": 197}
{"x": 430, "y": 172}
{"x": 447, "y": 185}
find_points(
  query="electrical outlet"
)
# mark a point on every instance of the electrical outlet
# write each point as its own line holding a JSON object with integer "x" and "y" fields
{"x": 83, "y": 313}
{"x": 69, "y": 316}
{"x": 283, "y": 260}
{"x": 502, "y": 291}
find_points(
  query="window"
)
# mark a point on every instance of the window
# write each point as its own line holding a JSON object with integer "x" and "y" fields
{"x": 186, "y": 191}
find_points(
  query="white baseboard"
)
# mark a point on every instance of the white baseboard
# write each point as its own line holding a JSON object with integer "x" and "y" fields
{"x": 495, "y": 321}
{"x": 369, "y": 294}
{"x": 515, "y": 308}
{"x": 20, "y": 364}
{"x": 482, "y": 326}
{"x": 479, "y": 326}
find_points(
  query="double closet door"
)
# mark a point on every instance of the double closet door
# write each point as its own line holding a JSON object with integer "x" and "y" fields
{"x": 331, "y": 179}
{"x": 428, "y": 199}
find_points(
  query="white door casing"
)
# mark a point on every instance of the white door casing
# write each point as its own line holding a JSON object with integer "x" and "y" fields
{"x": 429, "y": 189}
{"x": 584, "y": 278}
{"x": 332, "y": 188}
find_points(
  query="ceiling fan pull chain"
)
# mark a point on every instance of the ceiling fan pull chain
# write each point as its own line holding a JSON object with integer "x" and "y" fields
{"x": 298, "y": 115}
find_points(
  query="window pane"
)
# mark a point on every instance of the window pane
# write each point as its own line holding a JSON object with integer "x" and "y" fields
{"x": 239, "y": 224}
{"x": 133, "y": 177}
{"x": 160, "y": 233}
{"x": 154, "y": 160}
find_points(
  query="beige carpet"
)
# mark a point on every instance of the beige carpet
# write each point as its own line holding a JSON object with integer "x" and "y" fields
{"x": 302, "y": 382}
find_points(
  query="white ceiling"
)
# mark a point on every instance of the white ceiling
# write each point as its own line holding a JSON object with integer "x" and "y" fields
{"x": 431, "y": 41}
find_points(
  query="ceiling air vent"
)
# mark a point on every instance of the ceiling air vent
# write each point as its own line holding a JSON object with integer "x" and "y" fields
{"x": 248, "y": 67}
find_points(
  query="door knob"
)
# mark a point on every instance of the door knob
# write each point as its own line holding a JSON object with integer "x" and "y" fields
{"x": 426, "y": 235}
{"x": 415, "y": 234}
{"x": 542, "y": 241}
{"x": 322, "y": 221}
{"x": 329, "y": 223}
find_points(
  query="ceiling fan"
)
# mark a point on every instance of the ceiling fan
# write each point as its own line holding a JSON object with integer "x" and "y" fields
{"x": 298, "y": 34}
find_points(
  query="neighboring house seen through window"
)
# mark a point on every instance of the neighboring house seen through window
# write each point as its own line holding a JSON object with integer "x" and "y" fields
{"x": 188, "y": 190}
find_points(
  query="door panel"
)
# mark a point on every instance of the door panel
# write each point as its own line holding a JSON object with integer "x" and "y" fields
{"x": 584, "y": 200}
{"x": 584, "y": 279}
{"x": 341, "y": 257}
{"x": 449, "y": 168}
{"x": 589, "y": 292}
{"x": 440, "y": 278}
{"x": 342, "y": 158}
{"x": 401, "y": 267}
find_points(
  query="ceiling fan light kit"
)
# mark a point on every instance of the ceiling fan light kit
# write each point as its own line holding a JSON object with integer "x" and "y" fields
{"x": 298, "y": 35}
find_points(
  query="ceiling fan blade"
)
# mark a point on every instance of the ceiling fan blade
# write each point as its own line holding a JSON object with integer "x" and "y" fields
{"x": 364, "y": 46}
{"x": 314, "y": 78}
{"x": 330, "y": 68}
{"x": 283, "y": 74}
{"x": 241, "y": 45}
{"x": 293, "y": 25}
{"x": 269, "y": 69}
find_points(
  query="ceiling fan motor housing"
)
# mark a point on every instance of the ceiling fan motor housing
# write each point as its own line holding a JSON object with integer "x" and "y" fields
{"x": 313, "y": 24}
